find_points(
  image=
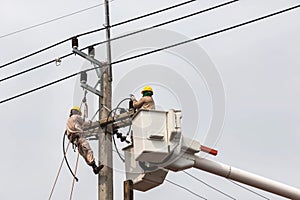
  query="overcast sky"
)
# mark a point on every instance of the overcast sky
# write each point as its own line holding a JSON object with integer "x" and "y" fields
{"x": 258, "y": 65}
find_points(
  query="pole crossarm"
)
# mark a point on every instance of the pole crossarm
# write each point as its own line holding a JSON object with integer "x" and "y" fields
{"x": 91, "y": 89}
{"x": 112, "y": 120}
{"x": 89, "y": 58}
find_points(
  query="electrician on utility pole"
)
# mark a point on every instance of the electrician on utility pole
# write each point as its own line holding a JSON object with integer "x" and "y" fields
{"x": 146, "y": 102}
{"x": 74, "y": 132}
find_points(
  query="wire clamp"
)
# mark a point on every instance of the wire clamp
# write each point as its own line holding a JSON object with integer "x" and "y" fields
{"x": 58, "y": 61}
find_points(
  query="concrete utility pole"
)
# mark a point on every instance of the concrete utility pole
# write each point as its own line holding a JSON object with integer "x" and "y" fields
{"x": 105, "y": 178}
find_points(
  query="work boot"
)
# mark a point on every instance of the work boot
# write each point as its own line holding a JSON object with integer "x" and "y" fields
{"x": 96, "y": 169}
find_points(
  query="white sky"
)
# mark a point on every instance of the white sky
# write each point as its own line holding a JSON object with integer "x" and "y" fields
{"x": 258, "y": 64}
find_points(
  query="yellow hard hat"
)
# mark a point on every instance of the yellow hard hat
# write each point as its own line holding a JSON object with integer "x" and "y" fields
{"x": 76, "y": 108}
{"x": 147, "y": 88}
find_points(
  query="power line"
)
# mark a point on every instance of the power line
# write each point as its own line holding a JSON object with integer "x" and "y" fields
{"x": 33, "y": 68}
{"x": 52, "y": 20}
{"x": 38, "y": 88}
{"x": 165, "y": 23}
{"x": 209, "y": 185}
{"x": 154, "y": 51}
{"x": 137, "y": 18}
{"x": 248, "y": 189}
{"x": 96, "y": 30}
{"x": 190, "y": 191}
{"x": 122, "y": 36}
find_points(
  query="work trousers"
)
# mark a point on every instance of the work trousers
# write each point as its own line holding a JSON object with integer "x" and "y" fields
{"x": 84, "y": 149}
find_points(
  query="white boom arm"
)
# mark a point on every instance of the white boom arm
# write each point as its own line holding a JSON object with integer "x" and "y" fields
{"x": 247, "y": 178}
{"x": 158, "y": 146}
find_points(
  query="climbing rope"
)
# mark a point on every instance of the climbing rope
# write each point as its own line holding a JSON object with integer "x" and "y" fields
{"x": 58, "y": 173}
{"x": 73, "y": 182}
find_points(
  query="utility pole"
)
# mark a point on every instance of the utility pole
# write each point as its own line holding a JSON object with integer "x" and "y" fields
{"x": 105, "y": 177}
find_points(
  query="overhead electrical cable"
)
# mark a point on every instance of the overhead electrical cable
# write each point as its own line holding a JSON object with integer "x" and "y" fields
{"x": 52, "y": 20}
{"x": 137, "y": 18}
{"x": 122, "y": 36}
{"x": 96, "y": 30}
{"x": 35, "y": 67}
{"x": 248, "y": 189}
{"x": 165, "y": 23}
{"x": 156, "y": 50}
{"x": 51, "y": 46}
{"x": 194, "y": 177}
{"x": 190, "y": 191}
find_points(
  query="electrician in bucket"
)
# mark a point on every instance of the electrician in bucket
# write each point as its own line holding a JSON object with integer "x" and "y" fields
{"x": 146, "y": 102}
{"x": 74, "y": 132}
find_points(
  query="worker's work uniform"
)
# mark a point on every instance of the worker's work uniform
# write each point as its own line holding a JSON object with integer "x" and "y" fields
{"x": 74, "y": 133}
{"x": 145, "y": 102}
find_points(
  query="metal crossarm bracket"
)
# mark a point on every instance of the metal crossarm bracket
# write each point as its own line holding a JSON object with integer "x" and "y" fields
{"x": 91, "y": 89}
{"x": 119, "y": 121}
{"x": 89, "y": 58}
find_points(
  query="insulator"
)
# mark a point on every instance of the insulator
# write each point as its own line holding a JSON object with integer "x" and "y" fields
{"x": 83, "y": 77}
{"x": 123, "y": 138}
{"x": 91, "y": 51}
{"x": 74, "y": 42}
{"x": 119, "y": 135}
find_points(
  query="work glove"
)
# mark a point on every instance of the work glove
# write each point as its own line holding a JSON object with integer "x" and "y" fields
{"x": 74, "y": 137}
